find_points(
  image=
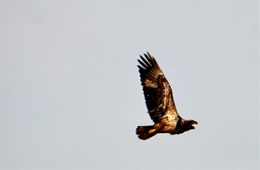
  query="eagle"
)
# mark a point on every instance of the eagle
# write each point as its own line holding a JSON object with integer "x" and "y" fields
{"x": 159, "y": 101}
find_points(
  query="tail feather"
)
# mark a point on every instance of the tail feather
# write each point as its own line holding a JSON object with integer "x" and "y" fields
{"x": 145, "y": 132}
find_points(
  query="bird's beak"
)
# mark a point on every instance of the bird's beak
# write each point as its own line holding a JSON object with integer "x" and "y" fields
{"x": 194, "y": 123}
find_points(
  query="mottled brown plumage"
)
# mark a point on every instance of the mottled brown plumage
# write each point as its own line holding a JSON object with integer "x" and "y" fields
{"x": 159, "y": 102}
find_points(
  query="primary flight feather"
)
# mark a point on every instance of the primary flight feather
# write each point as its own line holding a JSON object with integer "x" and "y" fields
{"x": 159, "y": 102}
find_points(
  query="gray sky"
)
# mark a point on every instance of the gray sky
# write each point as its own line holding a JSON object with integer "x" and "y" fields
{"x": 70, "y": 95}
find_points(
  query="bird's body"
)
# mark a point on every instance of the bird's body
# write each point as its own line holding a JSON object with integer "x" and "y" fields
{"x": 159, "y": 101}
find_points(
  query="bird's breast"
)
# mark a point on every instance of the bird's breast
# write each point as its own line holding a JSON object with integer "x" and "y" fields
{"x": 170, "y": 121}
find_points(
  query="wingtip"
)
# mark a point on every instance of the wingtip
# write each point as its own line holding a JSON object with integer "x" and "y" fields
{"x": 147, "y": 60}
{"x": 148, "y": 53}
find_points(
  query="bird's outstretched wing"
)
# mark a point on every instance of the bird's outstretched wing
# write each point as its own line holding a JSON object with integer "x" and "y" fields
{"x": 157, "y": 90}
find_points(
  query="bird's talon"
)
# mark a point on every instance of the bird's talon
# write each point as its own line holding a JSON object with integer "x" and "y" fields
{"x": 151, "y": 131}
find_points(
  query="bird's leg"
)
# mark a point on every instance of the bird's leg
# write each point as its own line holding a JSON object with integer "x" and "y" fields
{"x": 151, "y": 131}
{"x": 156, "y": 127}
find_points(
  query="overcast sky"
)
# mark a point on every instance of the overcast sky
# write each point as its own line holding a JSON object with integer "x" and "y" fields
{"x": 70, "y": 94}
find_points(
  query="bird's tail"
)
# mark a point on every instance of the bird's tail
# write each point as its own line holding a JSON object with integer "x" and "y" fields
{"x": 145, "y": 132}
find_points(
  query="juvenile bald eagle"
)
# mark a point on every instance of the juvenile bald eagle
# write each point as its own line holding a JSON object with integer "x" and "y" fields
{"x": 159, "y": 102}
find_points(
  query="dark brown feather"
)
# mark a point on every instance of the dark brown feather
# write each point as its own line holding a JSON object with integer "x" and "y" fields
{"x": 159, "y": 102}
{"x": 156, "y": 88}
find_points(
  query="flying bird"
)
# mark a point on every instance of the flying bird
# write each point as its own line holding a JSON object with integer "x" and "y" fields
{"x": 159, "y": 101}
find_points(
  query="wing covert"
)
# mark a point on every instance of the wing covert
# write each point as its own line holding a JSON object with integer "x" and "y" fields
{"x": 156, "y": 88}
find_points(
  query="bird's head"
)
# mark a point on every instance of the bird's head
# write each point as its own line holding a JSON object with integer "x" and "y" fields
{"x": 188, "y": 124}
